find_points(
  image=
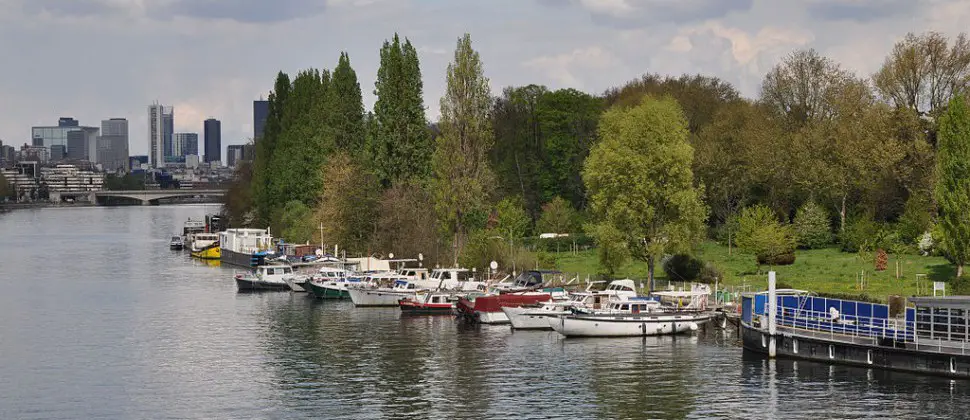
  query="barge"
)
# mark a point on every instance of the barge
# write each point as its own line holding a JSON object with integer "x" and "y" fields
{"x": 929, "y": 338}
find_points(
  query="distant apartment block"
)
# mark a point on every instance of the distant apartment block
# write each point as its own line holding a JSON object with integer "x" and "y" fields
{"x": 161, "y": 124}
{"x": 260, "y": 113}
{"x": 112, "y": 145}
{"x": 213, "y": 140}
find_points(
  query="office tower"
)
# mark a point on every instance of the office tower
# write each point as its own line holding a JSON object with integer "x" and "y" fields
{"x": 186, "y": 144}
{"x": 235, "y": 153}
{"x": 160, "y": 127}
{"x": 213, "y": 140}
{"x": 48, "y": 136}
{"x": 112, "y": 145}
{"x": 58, "y": 152}
{"x": 77, "y": 145}
{"x": 260, "y": 112}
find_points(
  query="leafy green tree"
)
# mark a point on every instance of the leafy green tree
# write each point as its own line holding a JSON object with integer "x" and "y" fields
{"x": 611, "y": 248}
{"x": 700, "y": 97}
{"x": 568, "y": 121}
{"x": 400, "y": 141}
{"x": 349, "y": 115}
{"x": 6, "y": 190}
{"x": 812, "y": 227}
{"x": 348, "y": 205}
{"x": 517, "y": 157}
{"x": 761, "y": 234}
{"x": 953, "y": 184}
{"x": 558, "y": 216}
{"x": 640, "y": 181}
{"x": 463, "y": 179}
{"x": 265, "y": 146}
{"x": 916, "y": 220}
{"x": 238, "y": 205}
{"x": 297, "y": 221}
{"x": 406, "y": 224}
{"x": 512, "y": 219}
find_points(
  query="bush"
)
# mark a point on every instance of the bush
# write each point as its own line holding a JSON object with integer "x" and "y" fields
{"x": 915, "y": 221}
{"x": 812, "y": 227}
{"x": 682, "y": 267}
{"x": 787, "y": 258}
{"x": 760, "y": 233}
{"x": 711, "y": 273}
{"x": 958, "y": 286}
{"x": 864, "y": 234}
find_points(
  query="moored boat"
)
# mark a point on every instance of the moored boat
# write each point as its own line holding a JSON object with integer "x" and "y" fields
{"x": 487, "y": 309}
{"x": 428, "y": 304}
{"x": 265, "y": 277}
{"x": 245, "y": 247}
{"x": 176, "y": 243}
{"x": 211, "y": 252}
{"x": 630, "y": 317}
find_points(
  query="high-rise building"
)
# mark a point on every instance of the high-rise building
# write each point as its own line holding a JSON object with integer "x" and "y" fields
{"x": 260, "y": 113}
{"x": 213, "y": 140}
{"x": 48, "y": 136}
{"x": 77, "y": 145}
{"x": 161, "y": 124}
{"x": 235, "y": 153}
{"x": 58, "y": 152}
{"x": 112, "y": 145}
{"x": 186, "y": 144}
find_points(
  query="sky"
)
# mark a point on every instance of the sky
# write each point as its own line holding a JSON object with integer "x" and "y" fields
{"x": 97, "y": 59}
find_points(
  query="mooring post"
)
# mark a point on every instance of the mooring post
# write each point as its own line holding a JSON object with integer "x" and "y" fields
{"x": 772, "y": 313}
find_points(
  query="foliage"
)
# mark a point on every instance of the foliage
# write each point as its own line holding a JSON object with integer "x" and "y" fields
{"x": 953, "y": 185}
{"x": 802, "y": 86}
{"x": 915, "y": 220}
{"x": 923, "y": 72}
{"x": 297, "y": 221}
{"x": 238, "y": 207}
{"x": 959, "y": 286}
{"x": 640, "y": 181}
{"x": 406, "y": 224}
{"x": 558, "y": 216}
{"x": 761, "y": 234}
{"x": 882, "y": 260}
{"x": 812, "y": 228}
{"x": 611, "y": 248}
{"x": 700, "y": 97}
{"x": 926, "y": 244}
{"x": 512, "y": 221}
{"x": 568, "y": 122}
{"x": 682, "y": 267}
{"x": 400, "y": 143}
{"x": 126, "y": 182}
{"x": 517, "y": 156}
{"x": 484, "y": 247}
{"x": 463, "y": 180}
{"x": 6, "y": 190}
{"x": 862, "y": 234}
{"x": 349, "y": 109}
{"x": 711, "y": 273}
{"x": 348, "y": 204}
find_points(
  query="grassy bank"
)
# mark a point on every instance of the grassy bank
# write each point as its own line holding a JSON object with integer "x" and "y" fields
{"x": 822, "y": 270}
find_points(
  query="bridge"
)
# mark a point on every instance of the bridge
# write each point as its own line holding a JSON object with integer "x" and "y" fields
{"x": 146, "y": 197}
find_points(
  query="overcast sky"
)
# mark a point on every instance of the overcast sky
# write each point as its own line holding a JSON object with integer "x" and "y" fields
{"x": 95, "y": 59}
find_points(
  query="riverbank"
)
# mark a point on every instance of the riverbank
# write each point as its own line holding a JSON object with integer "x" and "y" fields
{"x": 827, "y": 271}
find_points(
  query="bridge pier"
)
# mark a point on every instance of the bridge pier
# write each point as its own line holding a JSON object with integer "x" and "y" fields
{"x": 146, "y": 202}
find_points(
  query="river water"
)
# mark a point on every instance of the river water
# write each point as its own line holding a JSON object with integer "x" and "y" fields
{"x": 99, "y": 319}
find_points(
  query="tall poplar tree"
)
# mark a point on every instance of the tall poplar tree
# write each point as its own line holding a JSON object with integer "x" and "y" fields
{"x": 349, "y": 115}
{"x": 400, "y": 141}
{"x": 953, "y": 181}
{"x": 266, "y": 145}
{"x": 463, "y": 179}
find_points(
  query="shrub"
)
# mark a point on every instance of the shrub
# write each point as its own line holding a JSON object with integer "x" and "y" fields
{"x": 959, "y": 286}
{"x": 812, "y": 227}
{"x": 760, "y": 233}
{"x": 682, "y": 267}
{"x": 711, "y": 273}
{"x": 915, "y": 220}
{"x": 864, "y": 234}
{"x": 610, "y": 246}
{"x": 558, "y": 216}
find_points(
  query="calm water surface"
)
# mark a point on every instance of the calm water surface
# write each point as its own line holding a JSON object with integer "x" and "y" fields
{"x": 98, "y": 319}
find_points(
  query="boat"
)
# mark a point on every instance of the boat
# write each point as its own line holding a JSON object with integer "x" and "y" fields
{"x": 265, "y": 277}
{"x": 176, "y": 243}
{"x": 629, "y": 317}
{"x": 536, "y": 317}
{"x": 332, "y": 283}
{"x": 202, "y": 240}
{"x": 190, "y": 228}
{"x": 245, "y": 247}
{"x": 211, "y": 252}
{"x": 487, "y": 309}
{"x": 408, "y": 281}
{"x": 429, "y": 304}
{"x": 929, "y": 338}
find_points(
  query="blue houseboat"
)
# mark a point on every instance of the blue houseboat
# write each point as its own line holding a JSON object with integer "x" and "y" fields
{"x": 929, "y": 338}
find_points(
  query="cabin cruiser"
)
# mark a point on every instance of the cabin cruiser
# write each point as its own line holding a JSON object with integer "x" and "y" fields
{"x": 429, "y": 303}
{"x": 535, "y": 316}
{"x": 332, "y": 283}
{"x": 629, "y": 317}
{"x": 406, "y": 285}
{"x": 265, "y": 277}
{"x": 177, "y": 243}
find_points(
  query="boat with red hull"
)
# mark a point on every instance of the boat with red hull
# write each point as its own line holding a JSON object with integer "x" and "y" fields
{"x": 423, "y": 304}
{"x": 487, "y": 309}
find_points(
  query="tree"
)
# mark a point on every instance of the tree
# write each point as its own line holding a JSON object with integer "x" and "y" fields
{"x": 238, "y": 206}
{"x": 512, "y": 219}
{"x": 297, "y": 221}
{"x": 812, "y": 227}
{"x": 265, "y": 147}
{"x": 348, "y": 203}
{"x": 568, "y": 121}
{"x": 519, "y": 146}
{"x": 400, "y": 142}
{"x": 761, "y": 234}
{"x": 640, "y": 181}
{"x": 700, "y": 97}
{"x": 611, "y": 248}
{"x": 922, "y": 73}
{"x": 406, "y": 223}
{"x": 802, "y": 86}
{"x": 558, "y": 216}
{"x": 953, "y": 181}
{"x": 5, "y": 188}
{"x": 463, "y": 179}
{"x": 349, "y": 115}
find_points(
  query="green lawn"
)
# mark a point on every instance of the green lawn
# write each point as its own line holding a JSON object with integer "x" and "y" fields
{"x": 823, "y": 271}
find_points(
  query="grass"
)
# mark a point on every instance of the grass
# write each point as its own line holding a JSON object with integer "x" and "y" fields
{"x": 828, "y": 271}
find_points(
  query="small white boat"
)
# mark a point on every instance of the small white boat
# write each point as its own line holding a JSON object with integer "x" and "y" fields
{"x": 265, "y": 277}
{"x": 630, "y": 317}
{"x": 176, "y": 243}
{"x": 537, "y": 317}
{"x": 202, "y": 241}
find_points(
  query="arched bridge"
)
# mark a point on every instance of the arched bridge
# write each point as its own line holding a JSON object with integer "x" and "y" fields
{"x": 149, "y": 197}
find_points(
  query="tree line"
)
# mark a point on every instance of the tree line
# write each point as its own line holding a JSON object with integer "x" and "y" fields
{"x": 822, "y": 156}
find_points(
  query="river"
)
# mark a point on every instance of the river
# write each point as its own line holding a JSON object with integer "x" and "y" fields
{"x": 99, "y": 319}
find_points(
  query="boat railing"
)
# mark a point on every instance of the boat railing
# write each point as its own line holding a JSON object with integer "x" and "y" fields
{"x": 838, "y": 327}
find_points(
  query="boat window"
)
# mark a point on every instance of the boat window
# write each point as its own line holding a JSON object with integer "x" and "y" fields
{"x": 627, "y": 288}
{"x": 924, "y": 322}
{"x": 463, "y": 275}
{"x": 446, "y": 275}
{"x": 624, "y": 307}
{"x": 287, "y": 270}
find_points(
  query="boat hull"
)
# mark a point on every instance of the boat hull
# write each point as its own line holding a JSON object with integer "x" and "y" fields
{"x": 376, "y": 298}
{"x": 417, "y": 308}
{"x": 327, "y": 292}
{"x": 250, "y": 285}
{"x": 530, "y": 318}
{"x": 488, "y": 309}
{"x": 210, "y": 253}
{"x": 625, "y": 325}
{"x": 241, "y": 259}
{"x": 888, "y": 354}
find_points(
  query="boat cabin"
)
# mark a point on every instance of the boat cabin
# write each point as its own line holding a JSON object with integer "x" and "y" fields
{"x": 633, "y": 306}
{"x": 273, "y": 270}
{"x": 455, "y": 274}
{"x": 941, "y": 319}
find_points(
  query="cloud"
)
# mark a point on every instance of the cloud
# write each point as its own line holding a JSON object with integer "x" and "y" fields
{"x": 639, "y": 13}
{"x": 860, "y": 10}
{"x": 568, "y": 69}
{"x": 245, "y": 11}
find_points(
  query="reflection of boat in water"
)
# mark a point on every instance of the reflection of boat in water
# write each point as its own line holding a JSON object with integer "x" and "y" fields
{"x": 211, "y": 263}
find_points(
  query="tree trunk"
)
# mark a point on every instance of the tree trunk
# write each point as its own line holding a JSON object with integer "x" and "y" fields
{"x": 842, "y": 216}
{"x": 650, "y": 264}
{"x": 959, "y": 270}
{"x": 729, "y": 240}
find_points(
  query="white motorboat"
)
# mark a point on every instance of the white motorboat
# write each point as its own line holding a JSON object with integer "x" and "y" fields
{"x": 408, "y": 281}
{"x": 201, "y": 241}
{"x": 265, "y": 277}
{"x": 630, "y": 317}
{"x": 536, "y": 316}
{"x": 176, "y": 243}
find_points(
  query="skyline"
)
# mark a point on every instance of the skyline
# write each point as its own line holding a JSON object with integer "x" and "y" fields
{"x": 217, "y": 56}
